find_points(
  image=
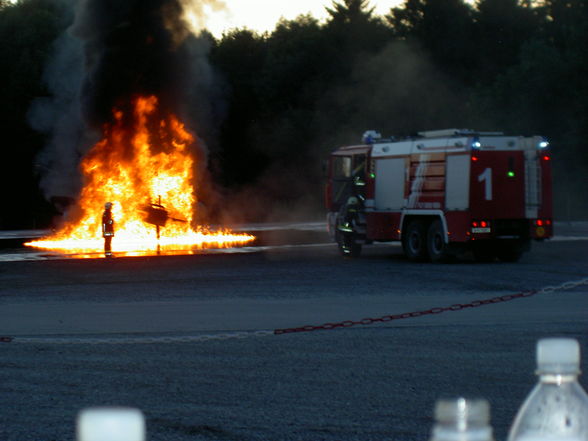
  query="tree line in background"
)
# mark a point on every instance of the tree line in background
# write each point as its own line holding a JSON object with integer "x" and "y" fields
{"x": 288, "y": 97}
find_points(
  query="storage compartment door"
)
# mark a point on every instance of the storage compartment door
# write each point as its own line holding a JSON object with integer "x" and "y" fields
{"x": 457, "y": 182}
{"x": 390, "y": 178}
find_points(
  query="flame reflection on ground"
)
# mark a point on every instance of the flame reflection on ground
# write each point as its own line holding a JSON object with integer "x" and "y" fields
{"x": 129, "y": 246}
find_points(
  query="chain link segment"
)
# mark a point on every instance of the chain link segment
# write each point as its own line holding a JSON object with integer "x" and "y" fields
{"x": 437, "y": 310}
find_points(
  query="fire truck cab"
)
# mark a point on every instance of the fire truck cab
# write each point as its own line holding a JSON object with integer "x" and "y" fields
{"x": 441, "y": 193}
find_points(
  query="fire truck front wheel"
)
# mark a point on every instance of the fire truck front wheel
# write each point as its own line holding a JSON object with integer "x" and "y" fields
{"x": 414, "y": 241}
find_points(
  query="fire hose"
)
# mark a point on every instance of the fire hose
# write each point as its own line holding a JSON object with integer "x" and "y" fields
{"x": 566, "y": 286}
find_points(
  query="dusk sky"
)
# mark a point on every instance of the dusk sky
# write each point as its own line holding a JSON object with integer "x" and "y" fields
{"x": 262, "y": 15}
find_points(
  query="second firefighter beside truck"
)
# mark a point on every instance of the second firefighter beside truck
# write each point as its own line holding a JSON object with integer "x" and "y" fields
{"x": 351, "y": 220}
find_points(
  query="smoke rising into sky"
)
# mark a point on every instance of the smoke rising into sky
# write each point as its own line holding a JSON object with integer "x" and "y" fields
{"x": 114, "y": 51}
{"x": 130, "y": 48}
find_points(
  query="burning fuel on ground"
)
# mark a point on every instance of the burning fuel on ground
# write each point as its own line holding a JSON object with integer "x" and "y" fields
{"x": 144, "y": 165}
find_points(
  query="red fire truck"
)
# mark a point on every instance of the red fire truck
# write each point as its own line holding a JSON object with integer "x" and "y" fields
{"x": 442, "y": 193}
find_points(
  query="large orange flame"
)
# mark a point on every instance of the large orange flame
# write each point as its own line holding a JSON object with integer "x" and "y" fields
{"x": 152, "y": 163}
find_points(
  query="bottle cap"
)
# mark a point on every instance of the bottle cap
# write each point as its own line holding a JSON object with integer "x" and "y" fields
{"x": 462, "y": 419}
{"x": 110, "y": 424}
{"x": 463, "y": 411}
{"x": 558, "y": 356}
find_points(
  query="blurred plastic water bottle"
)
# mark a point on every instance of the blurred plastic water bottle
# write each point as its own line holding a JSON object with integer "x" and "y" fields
{"x": 462, "y": 420}
{"x": 557, "y": 408}
{"x": 110, "y": 424}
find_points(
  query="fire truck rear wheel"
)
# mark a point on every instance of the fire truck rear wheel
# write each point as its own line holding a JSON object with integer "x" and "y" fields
{"x": 414, "y": 241}
{"x": 436, "y": 246}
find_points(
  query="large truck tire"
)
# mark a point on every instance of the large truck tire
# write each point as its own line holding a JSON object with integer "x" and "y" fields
{"x": 436, "y": 246}
{"x": 414, "y": 241}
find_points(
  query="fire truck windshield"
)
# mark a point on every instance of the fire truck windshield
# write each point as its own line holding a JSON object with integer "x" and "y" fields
{"x": 342, "y": 167}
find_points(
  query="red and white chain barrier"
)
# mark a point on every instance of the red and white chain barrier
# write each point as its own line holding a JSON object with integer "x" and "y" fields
{"x": 437, "y": 310}
{"x": 566, "y": 286}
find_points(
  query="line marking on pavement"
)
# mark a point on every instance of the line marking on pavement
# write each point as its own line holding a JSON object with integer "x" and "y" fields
{"x": 26, "y": 255}
{"x": 567, "y": 238}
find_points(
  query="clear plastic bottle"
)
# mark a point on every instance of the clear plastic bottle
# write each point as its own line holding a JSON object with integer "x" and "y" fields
{"x": 557, "y": 408}
{"x": 462, "y": 419}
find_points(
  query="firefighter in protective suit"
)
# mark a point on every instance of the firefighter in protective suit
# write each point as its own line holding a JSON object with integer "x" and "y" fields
{"x": 107, "y": 228}
{"x": 347, "y": 220}
{"x": 349, "y": 214}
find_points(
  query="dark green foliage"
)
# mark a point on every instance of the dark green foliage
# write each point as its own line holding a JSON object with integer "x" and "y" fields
{"x": 239, "y": 160}
{"x": 502, "y": 27}
{"x": 445, "y": 29}
{"x": 292, "y": 95}
{"x": 350, "y": 11}
{"x": 27, "y": 30}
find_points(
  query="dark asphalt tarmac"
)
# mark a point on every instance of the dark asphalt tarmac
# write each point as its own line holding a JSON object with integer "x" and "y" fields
{"x": 364, "y": 383}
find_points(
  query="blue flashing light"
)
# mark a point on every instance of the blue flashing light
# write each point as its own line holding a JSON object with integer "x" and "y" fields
{"x": 371, "y": 136}
{"x": 543, "y": 144}
{"x": 476, "y": 144}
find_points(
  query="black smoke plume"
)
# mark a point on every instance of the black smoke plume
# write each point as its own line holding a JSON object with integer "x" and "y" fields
{"x": 114, "y": 51}
{"x": 130, "y": 48}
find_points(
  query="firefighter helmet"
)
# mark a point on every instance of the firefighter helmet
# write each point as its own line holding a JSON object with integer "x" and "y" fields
{"x": 108, "y": 205}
